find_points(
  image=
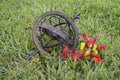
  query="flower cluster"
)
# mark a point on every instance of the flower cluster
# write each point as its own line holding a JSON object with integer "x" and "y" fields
{"x": 88, "y": 49}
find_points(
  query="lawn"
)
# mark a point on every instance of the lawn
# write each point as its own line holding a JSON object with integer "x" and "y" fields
{"x": 99, "y": 19}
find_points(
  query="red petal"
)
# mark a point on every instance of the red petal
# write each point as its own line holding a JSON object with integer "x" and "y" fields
{"x": 97, "y": 59}
{"x": 93, "y": 41}
{"x": 81, "y": 53}
{"x": 65, "y": 48}
{"x": 73, "y": 50}
{"x": 64, "y": 55}
{"x": 87, "y": 46}
{"x": 101, "y": 47}
{"x": 84, "y": 35}
{"x": 75, "y": 55}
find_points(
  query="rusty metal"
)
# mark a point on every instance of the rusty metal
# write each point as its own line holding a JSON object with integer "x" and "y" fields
{"x": 54, "y": 30}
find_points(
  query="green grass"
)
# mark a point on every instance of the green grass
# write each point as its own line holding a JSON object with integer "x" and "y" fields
{"x": 99, "y": 19}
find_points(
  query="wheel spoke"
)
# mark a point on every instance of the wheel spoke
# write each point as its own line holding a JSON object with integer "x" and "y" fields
{"x": 47, "y": 41}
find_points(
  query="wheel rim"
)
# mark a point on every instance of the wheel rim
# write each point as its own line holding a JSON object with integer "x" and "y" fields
{"x": 44, "y": 41}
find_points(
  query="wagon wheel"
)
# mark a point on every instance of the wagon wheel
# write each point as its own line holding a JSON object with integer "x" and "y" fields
{"x": 53, "y": 30}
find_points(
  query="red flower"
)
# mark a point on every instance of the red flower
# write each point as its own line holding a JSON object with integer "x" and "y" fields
{"x": 74, "y": 54}
{"x": 97, "y": 59}
{"x": 64, "y": 55}
{"x": 101, "y": 47}
{"x": 84, "y": 35}
{"x": 65, "y": 48}
{"x": 81, "y": 54}
{"x": 93, "y": 41}
{"x": 87, "y": 46}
